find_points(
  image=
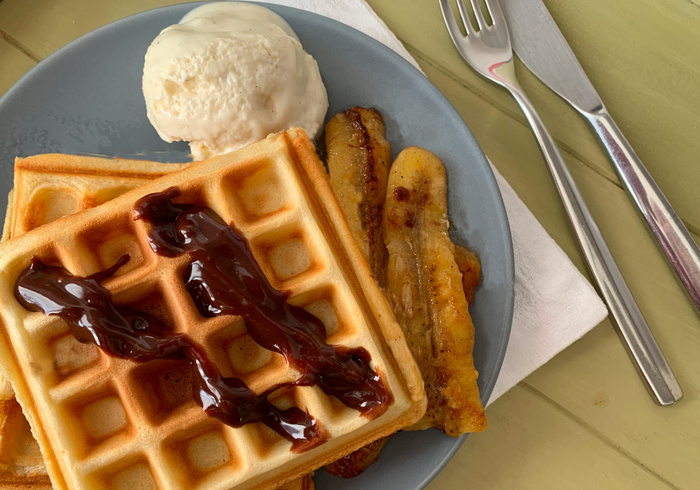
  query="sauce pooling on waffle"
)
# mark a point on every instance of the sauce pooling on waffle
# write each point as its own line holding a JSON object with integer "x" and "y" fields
{"x": 87, "y": 307}
{"x": 223, "y": 278}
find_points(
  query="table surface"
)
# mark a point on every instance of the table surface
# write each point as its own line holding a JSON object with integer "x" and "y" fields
{"x": 584, "y": 420}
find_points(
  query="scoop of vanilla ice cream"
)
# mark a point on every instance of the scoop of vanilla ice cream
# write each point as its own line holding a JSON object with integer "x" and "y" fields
{"x": 230, "y": 74}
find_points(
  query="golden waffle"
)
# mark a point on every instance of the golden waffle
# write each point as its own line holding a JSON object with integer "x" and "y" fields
{"x": 105, "y": 422}
{"x": 21, "y": 464}
{"x": 47, "y": 187}
{"x": 75, "y": 183}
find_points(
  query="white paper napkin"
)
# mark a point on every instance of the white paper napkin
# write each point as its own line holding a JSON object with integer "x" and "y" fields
{"x": 554, "y": 304}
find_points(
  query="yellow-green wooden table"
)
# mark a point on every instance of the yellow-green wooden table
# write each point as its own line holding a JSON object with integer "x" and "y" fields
{"x": 584, "y": 420}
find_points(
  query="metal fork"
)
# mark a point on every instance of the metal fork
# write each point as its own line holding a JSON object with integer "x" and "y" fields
{"x": 488, "y": 50}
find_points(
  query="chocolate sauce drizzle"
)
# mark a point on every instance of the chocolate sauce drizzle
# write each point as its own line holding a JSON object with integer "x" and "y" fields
{"x": 223, "y": 278}
{"x": 87, "y": 307}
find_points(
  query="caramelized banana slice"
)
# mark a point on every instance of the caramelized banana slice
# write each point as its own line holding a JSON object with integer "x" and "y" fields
{"x": 358, "y": 163}
{"x": 356, "y": 462}
{"x": 359, "y": 157}
{"x": 426, "y": 291}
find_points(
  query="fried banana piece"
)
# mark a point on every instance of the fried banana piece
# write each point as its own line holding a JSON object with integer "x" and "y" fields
{"x": 426, "y": 291}
{"x": 359, "y": 157}
{"x": 356, "y": 462}
{"x": 470, "y": 267}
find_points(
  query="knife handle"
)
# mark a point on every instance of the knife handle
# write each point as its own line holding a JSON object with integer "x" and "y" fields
{"x": 673, "y": 237}
{"x": 631, "y": 324}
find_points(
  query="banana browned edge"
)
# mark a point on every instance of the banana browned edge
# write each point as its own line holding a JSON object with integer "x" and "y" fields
{"x": 469, "y": 265}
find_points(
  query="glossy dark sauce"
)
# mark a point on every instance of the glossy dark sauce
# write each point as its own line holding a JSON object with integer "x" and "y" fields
{"x": 87, "y": 307}
{"x": 223, "y": 278}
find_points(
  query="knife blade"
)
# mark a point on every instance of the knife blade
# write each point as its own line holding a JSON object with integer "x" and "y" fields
{"x": 540, "y": 45}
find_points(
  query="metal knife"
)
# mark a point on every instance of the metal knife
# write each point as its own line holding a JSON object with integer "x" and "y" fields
{"x": 539, "y": 44}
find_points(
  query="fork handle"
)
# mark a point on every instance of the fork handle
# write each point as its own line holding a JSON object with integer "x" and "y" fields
{"x": 667, "y": 227}
{"x": 631, "y": 324}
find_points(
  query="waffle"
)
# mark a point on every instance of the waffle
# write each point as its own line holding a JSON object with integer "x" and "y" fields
{"x": 77, "y": 183}
{"x": 21, "y": 464}
{"x": 41, "y": 183}
{"x": 105, "y": 422}
{"x": 47, "y": 187}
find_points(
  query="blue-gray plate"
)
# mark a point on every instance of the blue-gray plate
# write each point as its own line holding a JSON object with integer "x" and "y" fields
{"x": 86, "y": 98}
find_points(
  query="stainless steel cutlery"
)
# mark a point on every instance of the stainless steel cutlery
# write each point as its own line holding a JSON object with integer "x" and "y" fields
{"x": 488, "y": 50}
{"x": 539, "y": 44}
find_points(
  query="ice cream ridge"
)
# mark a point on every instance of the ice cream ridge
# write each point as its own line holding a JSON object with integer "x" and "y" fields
{"x": 227, "y": 75}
